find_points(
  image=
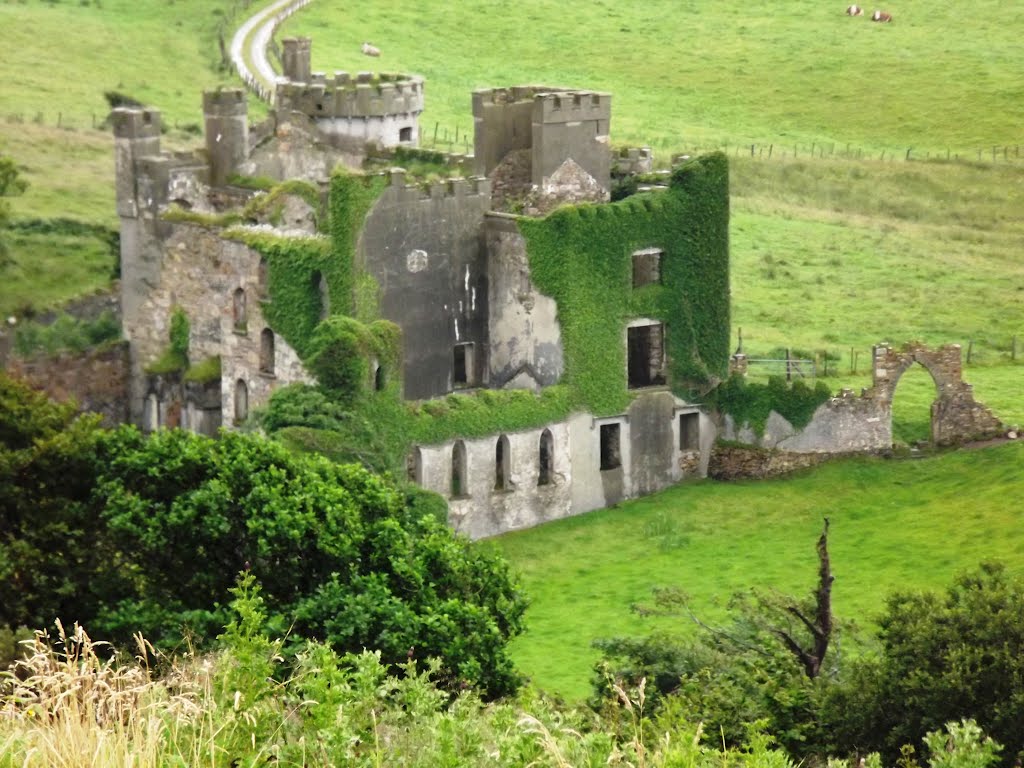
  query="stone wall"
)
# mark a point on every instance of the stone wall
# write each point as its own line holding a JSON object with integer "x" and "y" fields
{"x": 96, "y": 379}
{"x": 584, "y": 474}
{"x": 849, "y": 423}
{"x": 732, "y": 462}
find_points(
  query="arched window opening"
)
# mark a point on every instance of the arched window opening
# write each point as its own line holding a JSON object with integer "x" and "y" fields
{"x": 318, "y": 284}
{"x": 502, "y": 464}
{"x": 151, "y": 414}
{"x": 459, "y": 488}
{"x": 414, "y": 466}
{"x": 238, "y": 311}
{"x": 262, "y": 278}
{"x": 545, "y": 458}
{"x": 241, "y": 401}
{"x": 379, "y": 381}
{"x": 267, "y": 352}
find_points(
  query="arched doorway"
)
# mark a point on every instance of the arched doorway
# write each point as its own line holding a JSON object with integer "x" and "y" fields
{"x": 912, "y": 405}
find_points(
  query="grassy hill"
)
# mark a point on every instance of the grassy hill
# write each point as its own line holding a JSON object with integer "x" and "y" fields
{"x": 895, "y": 525}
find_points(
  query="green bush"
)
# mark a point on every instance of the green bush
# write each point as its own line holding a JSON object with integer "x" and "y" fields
{"x": 752, "y": 403}
{"x": 941, "y": 658}
{"x": 127, "y": 533}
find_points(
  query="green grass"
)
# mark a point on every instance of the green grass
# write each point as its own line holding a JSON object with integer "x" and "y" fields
{"x": 909, "y": 524}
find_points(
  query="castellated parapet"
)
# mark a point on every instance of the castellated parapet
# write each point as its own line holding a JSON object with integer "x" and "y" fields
{"x": 383, "y": 108}
{"x": 565, "y": 132}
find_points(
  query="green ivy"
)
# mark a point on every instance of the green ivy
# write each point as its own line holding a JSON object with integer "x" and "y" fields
{"x": 205, "y": 371}
{"x": 352, "y": 197}
{"x": 582, "y": 257}
{"x": 175, "y": 358}
{"x": 752, "y": 403}
{"x": 342, "y": 349}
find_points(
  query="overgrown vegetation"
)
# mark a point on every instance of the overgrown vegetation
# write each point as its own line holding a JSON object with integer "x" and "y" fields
{"x": 752, "y": 402}
{"x": 66, "y": 333}
{"x": 130, "y": 534}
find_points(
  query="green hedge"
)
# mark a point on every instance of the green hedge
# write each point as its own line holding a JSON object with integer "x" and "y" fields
{"x": 752, "y": 403}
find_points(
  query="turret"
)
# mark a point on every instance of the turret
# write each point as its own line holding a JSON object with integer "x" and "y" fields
{"x": 227, "y": 132}
{"x": 296, "y": 59}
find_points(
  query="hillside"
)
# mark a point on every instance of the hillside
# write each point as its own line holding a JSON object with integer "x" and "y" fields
{"x": 903, "y": 525}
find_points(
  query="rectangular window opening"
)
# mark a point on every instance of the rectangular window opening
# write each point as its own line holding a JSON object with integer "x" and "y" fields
{"x": 646, "y": 355}
{"x": 611, "y": 454}
{"x": 689, "y": 431}
{"x": 405, "y": 134}
{"x": 647, "y": 267}
{"x": 462, "y": 365}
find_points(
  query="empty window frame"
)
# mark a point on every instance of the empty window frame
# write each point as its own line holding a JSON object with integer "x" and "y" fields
{"x": 267, "y": 352}
{"x": 545, "y": 458}
{"x": 238, "y": 311}
{"x": 611, "y": 449}
{"x": 647, "y": 267}
{"x": 646, "y": 355}
{"x": 379, "y": 378}
{"x": 689, "y": 431}
{"x": 405, "y": 134}
{"x": 502, "y": 464}
{"x": 241, "y": 401}
{"x": 459, "y": 486}
{"x": 463, "y": 365}
{"x": 318, "y": 285}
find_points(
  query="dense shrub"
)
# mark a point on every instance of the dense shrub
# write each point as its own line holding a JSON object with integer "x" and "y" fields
{"x": 942, "y": 658}
{"x": 131, "y": 533}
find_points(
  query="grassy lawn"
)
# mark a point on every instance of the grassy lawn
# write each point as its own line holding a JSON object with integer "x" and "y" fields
{"x": 905, "y": 524}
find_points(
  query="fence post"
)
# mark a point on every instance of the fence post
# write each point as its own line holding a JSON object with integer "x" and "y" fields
{"x": 1013, "y": 348}
{"x": 970, "y": 350}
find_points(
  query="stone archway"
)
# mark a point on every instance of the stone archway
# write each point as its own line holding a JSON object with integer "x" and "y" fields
{"x": 956, "y": 417}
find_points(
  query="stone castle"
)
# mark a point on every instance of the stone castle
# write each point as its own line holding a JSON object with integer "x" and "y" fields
{"x": 452, "y": 266}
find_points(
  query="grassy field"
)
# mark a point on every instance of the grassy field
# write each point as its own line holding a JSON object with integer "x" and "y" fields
{"x": 909, "y": 524}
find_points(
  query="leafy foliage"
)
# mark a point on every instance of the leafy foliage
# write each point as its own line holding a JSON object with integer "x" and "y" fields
{"x": 10, "y": 184}
{"x": 133, "y": 533}
{"x": 942, "y": 658}
{"x": 751, "y": 402}
{"x": 66, "y": 333}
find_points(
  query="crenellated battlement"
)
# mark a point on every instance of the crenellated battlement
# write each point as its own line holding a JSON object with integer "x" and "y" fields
{"x": 345, "y": 96}
{"x": 475, "y": 186}
{"x": 224, "y": 102}
{"x": 572, "y": 106}
{"x": 135, "y": 123}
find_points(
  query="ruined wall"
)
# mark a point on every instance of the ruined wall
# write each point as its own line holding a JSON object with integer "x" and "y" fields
{"x": 97, "y": 379}
{"x": 503, "y": 122}
{"x": 424, "y": 249}
{"x": 848, "y": 423}
{"x": 201, "y": 272}
{"x": 733, "y": 462}
{"x": 482, "y": 509}
{"x": 571, "y": 152}
{"x": 526, "y": 338}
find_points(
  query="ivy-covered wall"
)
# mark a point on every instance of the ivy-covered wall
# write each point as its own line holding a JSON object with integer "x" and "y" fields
{"x": 582, "y": 257}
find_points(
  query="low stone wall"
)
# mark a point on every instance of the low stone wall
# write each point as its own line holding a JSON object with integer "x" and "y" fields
{"x": 96, "y": 379}
{"x": 733, "y": 462}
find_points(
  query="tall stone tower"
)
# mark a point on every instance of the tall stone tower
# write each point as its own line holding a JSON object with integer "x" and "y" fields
{"x": 226, "y": 118}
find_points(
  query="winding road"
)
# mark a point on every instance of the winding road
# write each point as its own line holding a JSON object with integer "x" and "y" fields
{"x": 250, "y": 60}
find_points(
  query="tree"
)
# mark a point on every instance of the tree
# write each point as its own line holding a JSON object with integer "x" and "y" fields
{"x": 762, "y": 665}
{"x": 941, "y": 659}
{"x": 149, "y": 533}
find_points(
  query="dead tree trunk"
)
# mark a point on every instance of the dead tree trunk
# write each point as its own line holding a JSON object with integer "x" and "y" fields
{"x": 819, "y": 625}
